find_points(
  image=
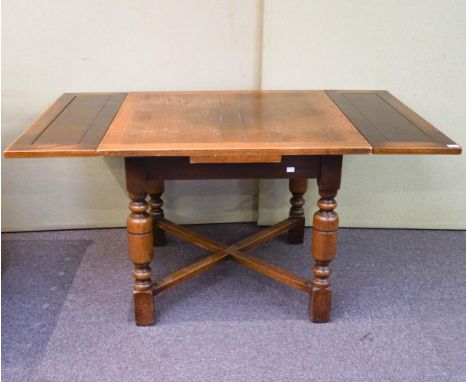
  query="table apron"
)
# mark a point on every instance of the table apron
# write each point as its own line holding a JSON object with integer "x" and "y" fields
{"x": 180, "y": 168}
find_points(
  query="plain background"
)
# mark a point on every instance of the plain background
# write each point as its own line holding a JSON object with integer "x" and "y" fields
{"x": 415, "y": 49}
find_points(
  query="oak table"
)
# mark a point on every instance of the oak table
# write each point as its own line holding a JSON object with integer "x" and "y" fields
{"x": 295, "y": 135}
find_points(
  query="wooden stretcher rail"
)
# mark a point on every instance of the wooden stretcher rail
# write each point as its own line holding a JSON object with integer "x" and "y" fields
{"x": 212, "y": 245}
{"x": 223, "y": 252}
{"x": 272, "y": 271}
{"x": 264, "y": 235}
{"x": 186, "y": 234}
{"x": 189, "y": 271}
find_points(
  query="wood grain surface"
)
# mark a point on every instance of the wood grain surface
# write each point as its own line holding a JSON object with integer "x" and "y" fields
{"x": 251, "y": 124}
{"x": 73, "y": 126}
{"x": 389, "y": 125}
{"x": 230, "y": 126}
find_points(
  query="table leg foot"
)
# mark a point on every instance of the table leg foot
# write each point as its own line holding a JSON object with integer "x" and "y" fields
{"x": 321, "y": 295}
{"x": 298, "y": 187}
{"x": 144, "y": 308}
{"x": 155, "y": 190}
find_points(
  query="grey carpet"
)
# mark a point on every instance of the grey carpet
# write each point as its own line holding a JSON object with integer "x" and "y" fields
{"x": 398, "y": 313}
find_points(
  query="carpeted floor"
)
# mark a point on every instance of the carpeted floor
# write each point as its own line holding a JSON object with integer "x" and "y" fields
{"x": 398, "y": 313}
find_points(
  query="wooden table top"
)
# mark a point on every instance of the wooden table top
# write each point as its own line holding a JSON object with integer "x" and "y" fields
{"x": 231, "y": 126}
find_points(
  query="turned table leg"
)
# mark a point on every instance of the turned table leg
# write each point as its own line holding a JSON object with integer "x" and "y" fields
{"x": 140, "y": 242}
{"x": 298, "y": 188}
{"x": 155, "y": 190}
{"x": 324, "y": 238}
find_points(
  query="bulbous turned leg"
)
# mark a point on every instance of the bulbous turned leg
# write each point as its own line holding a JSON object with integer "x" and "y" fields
{"x": 140, "y": 245}
{"x": 155, "y": 190}
{"x": 298, "y": 188}
{"x": 324, "y": 238}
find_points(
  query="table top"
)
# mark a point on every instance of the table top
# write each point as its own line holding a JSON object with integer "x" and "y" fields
{"x": 230, "y": 126}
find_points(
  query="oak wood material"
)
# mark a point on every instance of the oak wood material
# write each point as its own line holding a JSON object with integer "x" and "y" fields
{"x": 272, "y": 271}
{"x": 155, "y": 191}
{"x": 189, "y": 271}
{"x": 265, "y": 158}
{"x": 224, "y": 252}
{"x": 230, "y": 126}
{"x": 325, "y": 232}
{"x": 212, "y": 245}
{"x": 140, "y": 242}
{"x": 324, "y": 238}
{"x": 173, "y": 168}
{"x": 298, "y": 188}
{"x": 264, "y": 235}
{"x": 293, "y": 135}
{"x": 73, "y": 126}
{"x": 222, "y": 124}
{"x": 195, "y": 268}
{"x": 390, "y": 126}
{"x": 186, "y": 234}
{"x": 140, "y": 245}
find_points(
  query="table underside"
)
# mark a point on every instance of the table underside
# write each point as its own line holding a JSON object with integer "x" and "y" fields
{"x": 296, "y": 168}
{"x": 147, "y": 225}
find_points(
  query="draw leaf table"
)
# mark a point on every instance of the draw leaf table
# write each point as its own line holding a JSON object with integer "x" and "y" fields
{"x": 297, "y": 135}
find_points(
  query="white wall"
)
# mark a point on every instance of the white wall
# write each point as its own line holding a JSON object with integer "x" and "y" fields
{"x": 53, "y": 47}
{"x": 414, "y": 49}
